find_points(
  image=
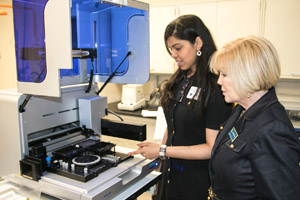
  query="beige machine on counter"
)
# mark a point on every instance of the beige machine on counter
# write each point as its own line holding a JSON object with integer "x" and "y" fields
{"x": 132, "y": 97}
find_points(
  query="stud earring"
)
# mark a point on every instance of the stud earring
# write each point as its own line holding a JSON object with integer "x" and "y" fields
{"x": 199, "y": 53}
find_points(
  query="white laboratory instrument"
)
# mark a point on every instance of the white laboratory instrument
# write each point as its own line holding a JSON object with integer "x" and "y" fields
{"x": 132, "y": 97}
{"x": 51, "y": 124}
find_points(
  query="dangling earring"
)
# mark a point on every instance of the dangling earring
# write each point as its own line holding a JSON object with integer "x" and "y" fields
{"x": 249, "y": 95}
{"x": 199, "y": 53}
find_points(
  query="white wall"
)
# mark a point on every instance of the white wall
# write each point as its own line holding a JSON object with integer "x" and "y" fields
{"x": 7, "y": 52}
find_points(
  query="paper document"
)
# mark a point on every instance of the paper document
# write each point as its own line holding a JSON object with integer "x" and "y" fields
{"x": 161, "y": 125}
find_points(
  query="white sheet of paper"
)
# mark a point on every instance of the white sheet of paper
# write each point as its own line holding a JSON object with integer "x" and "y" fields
{"x": 160, "y": 125}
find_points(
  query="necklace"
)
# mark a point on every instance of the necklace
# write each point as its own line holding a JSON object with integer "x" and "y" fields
{"x": 181, "y": 92}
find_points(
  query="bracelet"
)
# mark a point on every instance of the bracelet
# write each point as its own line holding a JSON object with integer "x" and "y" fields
{"x": 162, "y": 152}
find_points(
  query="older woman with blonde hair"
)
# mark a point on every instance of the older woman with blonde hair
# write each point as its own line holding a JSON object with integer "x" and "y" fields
{"x": 256, "y": 154}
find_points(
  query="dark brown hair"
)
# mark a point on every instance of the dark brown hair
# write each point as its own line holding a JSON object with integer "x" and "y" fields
{"x": 189, "y": 27}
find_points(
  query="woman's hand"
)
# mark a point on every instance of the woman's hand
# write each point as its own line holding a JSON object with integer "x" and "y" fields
{"x": 149, "y": 150}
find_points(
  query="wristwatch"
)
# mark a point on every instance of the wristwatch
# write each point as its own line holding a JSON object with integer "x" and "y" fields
{"x": 162, "y": 152}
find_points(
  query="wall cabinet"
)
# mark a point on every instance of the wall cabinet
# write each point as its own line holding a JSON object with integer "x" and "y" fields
{"x": 237, "y": 18}
{"x": 282, "y": 28}
{"x": 277, "y": 20}
{"x": 160, "y": 60}
{"x": 226, "y": 20}
{"x": 207, "y": 11}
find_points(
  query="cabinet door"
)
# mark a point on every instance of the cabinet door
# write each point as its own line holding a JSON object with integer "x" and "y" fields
{"x": 160, "y": 60}
{"x": 207, "y": 11}
{"x": 282, "y": 28}
{"x": 237, "y": 18}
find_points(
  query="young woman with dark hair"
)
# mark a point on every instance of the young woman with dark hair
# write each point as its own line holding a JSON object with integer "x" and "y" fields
{"x": 194, "y": 109}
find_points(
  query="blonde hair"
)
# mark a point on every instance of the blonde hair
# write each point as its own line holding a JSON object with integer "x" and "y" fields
{"x": 250, "y": 62}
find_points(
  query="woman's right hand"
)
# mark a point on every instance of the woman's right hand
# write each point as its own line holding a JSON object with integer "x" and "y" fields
{"x": 149, "y": 150}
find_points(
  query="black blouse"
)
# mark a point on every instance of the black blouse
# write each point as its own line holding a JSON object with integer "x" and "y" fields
{"x": 188, "y": 179}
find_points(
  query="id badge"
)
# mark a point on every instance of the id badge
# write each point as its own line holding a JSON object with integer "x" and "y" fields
{"x": 193, "y": 93}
